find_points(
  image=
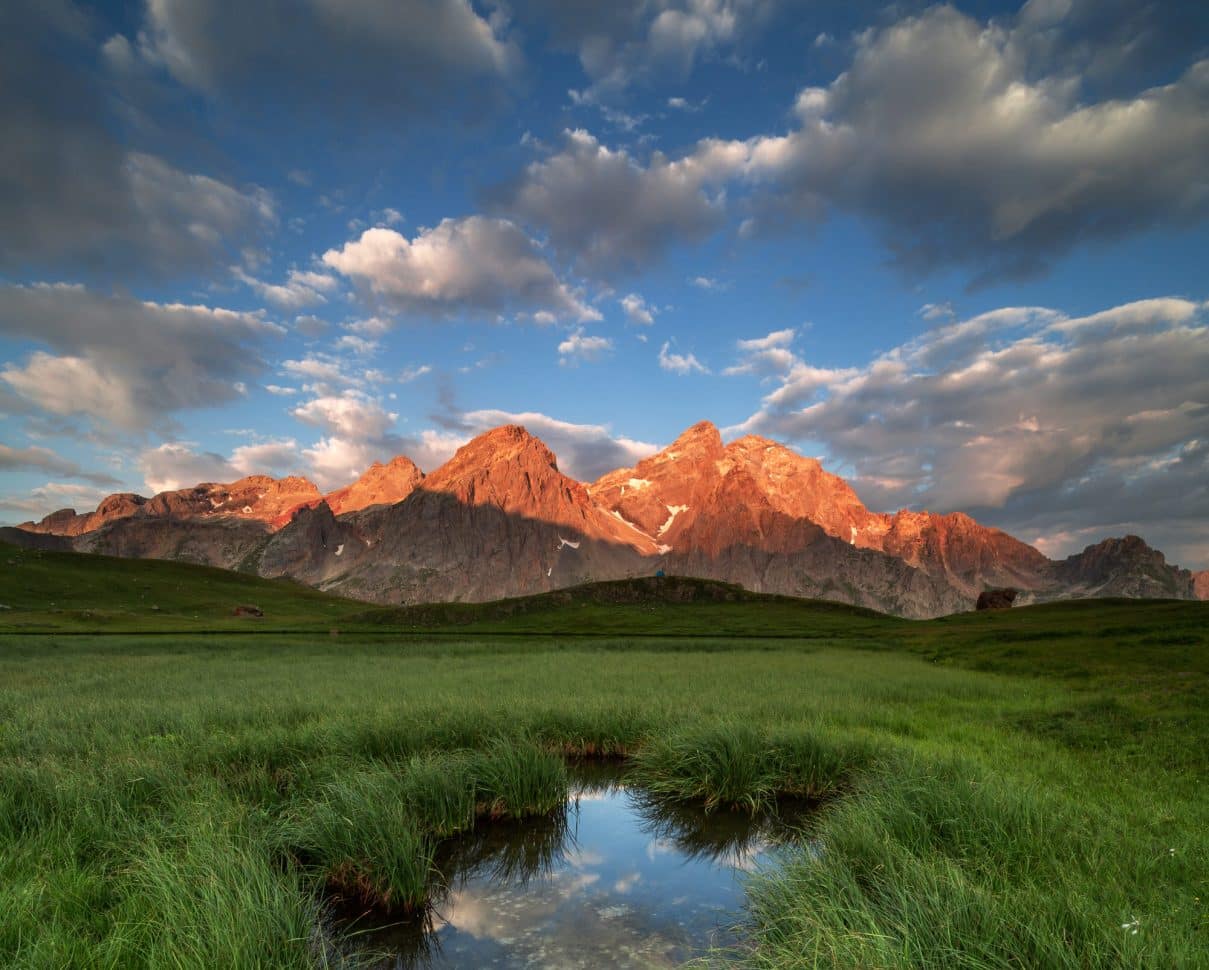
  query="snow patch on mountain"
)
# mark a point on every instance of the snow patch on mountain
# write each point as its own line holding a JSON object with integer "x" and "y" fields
{"x": 624, "y": 521}
{"x": 673, "y": 511}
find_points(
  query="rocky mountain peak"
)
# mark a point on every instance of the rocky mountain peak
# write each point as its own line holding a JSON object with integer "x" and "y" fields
{"x": 509, "y": 443}
{"x": 381, "y": 484}
{"x": 500, "y": 519}
{"x": 509, "y": 468}
{"x": 1125, "y": 566}
{"x": 506, "y": 477}
{"x": 797, "y": 485}
{"x": 665, "y": 493}
{"x": 754, "y": 446}
{"x": 700, "y": 443}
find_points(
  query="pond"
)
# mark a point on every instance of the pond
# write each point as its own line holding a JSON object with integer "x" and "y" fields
{"x": 615, "y": 879}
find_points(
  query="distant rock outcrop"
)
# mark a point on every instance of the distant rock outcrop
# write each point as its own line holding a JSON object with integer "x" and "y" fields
{"x": 1123, "y": 567}
{"x": 996, "y": 599}
{"x": 500, "y": 519}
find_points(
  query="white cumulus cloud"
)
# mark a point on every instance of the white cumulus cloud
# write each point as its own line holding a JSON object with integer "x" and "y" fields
{"x": 681, "y": 364}
{"x": 476, "y": 264}
{"x": 579, "y": 346}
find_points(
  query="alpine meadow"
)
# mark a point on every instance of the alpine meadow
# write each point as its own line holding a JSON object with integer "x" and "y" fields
{"x": 604, "y": 486}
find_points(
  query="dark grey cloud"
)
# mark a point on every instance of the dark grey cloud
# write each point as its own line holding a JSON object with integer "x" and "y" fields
{"x": 1116, "y": 45}
{"x": 623, "y": 41}
{"x": 308, "y": 57}
{"x": 1163, "y": 497}
{"x": 965, "y": 143}
{"x": 72, "y": 194}
{"x": 605, "y": 210}
{"x": 943, "y": 133}
{"x": 126, "y": 363}
{"x": 39, "y": 459}
{"x": 1052, "y": 427}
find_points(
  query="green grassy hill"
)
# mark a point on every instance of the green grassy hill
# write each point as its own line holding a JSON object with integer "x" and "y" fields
{"x": 63, "y": 592}
{"x": 43, "y": 591}
{"x": 46, "y": 591}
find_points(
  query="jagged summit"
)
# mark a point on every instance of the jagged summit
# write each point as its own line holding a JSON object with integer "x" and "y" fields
{"x": 506, "y": 467}
{"x": 703, "y": 435}
{"x": 492, "y": 449}
{"x": 512, "y": 471}
{"x": 381, "y": 484}
{"x": 253, "y": 497}
{"x": 500, "y": 519}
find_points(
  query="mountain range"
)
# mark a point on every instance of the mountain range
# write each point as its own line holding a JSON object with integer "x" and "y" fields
{"x": 499, "y": 519}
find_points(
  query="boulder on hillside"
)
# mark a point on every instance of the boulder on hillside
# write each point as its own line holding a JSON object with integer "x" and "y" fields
{"x": 996, "y": 599}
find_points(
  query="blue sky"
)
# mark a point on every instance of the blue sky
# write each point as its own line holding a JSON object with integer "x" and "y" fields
{"x": 957, "y": 252}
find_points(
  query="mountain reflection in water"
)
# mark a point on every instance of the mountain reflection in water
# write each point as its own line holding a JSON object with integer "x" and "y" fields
{"x": 614, "y": 879}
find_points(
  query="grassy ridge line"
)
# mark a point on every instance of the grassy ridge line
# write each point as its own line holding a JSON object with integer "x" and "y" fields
{"x": 61, "y": 591}
{"x": 52, "y": 592}
{"x": 95, "y": 594}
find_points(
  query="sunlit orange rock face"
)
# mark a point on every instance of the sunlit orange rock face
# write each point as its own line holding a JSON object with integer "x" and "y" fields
{"x": 698, "y": 494}
{"x": 511, "y": 471}
{"x": 500, "y": 519}
{"x": 1200, "y": 584}
{"x": 382, "y": 484}
{"x": 257, "y": 497}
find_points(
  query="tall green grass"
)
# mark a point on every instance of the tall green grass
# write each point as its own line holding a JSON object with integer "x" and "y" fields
{"x": 193, "y": 804}
{"x": 954, "y": 865}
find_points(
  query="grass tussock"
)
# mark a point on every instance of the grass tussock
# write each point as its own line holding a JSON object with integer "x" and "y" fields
{"x": 358, "y": 839}
{"x": 370, "y": 836}
{"x": 735, "y": 766}
{"x": 516, "y": 780}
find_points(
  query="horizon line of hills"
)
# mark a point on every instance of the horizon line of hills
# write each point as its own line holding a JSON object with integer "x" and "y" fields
{"x": 499, "y": 519}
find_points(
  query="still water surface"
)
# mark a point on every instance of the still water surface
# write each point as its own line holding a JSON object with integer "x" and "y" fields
{"x": 614, "y": 880}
